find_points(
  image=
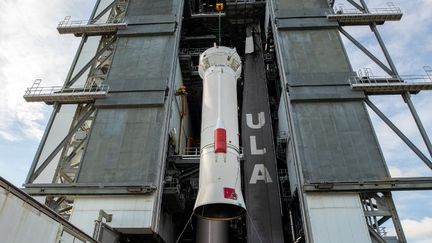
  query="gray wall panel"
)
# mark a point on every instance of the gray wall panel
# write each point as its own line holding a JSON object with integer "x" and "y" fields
{"x": 337, "y": 142}
{"x": 149, "y": 7}
{"x": 124, "y": 147}
{"x": 314, "y": 57}
{"x": 141, "y": 63}
{"x": 293, "y": 8}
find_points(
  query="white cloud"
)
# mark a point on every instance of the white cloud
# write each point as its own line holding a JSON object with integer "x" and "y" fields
{"x": 32, "y": 48}
{"x": 418, "y": 231}
{"x": 406, "y": 172}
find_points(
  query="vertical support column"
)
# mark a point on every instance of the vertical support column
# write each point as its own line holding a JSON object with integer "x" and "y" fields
{"x": 264, "y": 223}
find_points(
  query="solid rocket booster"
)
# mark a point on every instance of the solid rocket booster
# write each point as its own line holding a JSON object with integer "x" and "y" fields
{"x": 219, "y": 195}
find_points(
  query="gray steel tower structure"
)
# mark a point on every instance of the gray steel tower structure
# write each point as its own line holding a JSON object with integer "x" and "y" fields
{"x": 120, "y": 156}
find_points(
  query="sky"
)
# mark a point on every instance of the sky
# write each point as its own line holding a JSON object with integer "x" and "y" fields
{"x": 31, "y": 48}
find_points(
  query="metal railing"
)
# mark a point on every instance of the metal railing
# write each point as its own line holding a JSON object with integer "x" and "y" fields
{"x": 56, "y": 90}
{"x": 195, "y": 153}
{"x": 192, "y": 51}
{"x": 365, "y": 76}
{"x": 67, "y": 22}
{"x": 390, "y": 79}
{"x": 391, "y": 9}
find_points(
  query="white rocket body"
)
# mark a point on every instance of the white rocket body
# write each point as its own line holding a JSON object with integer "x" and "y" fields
{"x": 219, "y": 195}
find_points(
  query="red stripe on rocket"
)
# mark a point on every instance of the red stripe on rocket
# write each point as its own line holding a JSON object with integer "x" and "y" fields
{"x": 220, "y": 138}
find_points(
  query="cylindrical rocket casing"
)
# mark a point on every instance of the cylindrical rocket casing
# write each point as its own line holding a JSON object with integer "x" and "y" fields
{"x": 219, "y": 195}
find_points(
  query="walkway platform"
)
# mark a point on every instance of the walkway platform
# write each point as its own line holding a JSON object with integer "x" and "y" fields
{"x": 391, "y": 85}
{"x": 80, "y": 27}
{"x": 349, "y": 17}
{"x": 49, "y": 95}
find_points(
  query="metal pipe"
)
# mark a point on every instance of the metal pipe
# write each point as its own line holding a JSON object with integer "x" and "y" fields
{"x": 211, "y": 231}
{"x": 292, "y": 225}
{"x": 181, "y": 91}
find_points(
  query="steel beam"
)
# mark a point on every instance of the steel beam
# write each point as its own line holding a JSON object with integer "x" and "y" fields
{"x": 61, "y": 145}
{"x": 394, "y": 184}
{"x": 406, "y": 96}
{"x": 86, "y": 189}
{"x": 399, "y": 133}
{"x": 90, "y": 63}
{"x": 356, "y": 5}
{"x": 366, "y": 51}
{"x": 384, "y": 49}
{"x": 97, "y": 17}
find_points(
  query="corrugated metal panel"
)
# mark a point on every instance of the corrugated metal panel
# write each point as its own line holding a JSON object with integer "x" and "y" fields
{"x": 337, "y": 142}
{"x": 19, "y": 222}
{"x": 337, "y": 218}
{"x": 150, "y": 7}
{"x": 132, "y": 213}
{"x": 314, "y": 57}
{"x": 124, "y": 147}
{"x": 141, "y": 64}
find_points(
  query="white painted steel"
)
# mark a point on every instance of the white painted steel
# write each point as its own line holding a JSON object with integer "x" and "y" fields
{"x": 131, "y": 214}
{"x": 220, "y": 67}
{"x": 337, "y": 218}
{"x": 20, "y": 223}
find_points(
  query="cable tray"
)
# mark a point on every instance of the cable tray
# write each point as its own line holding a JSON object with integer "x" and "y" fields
{"x": 356, "y": 17}
{"x": 80, "y": 27}
{"x": 62, "y": 95}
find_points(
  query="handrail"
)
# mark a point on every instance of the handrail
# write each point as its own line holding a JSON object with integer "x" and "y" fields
{"x": 390, "y": 79}
{"x": 194, "y": 152}
{"x": 36, "y": 90}
{"x": 76, "y": 23}
{"x": 390, "y": 10}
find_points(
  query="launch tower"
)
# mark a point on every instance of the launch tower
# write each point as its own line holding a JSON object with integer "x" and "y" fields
{"x": 120, "y": 158}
